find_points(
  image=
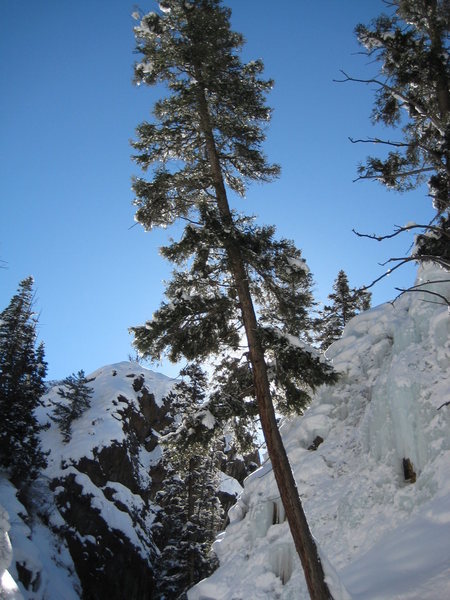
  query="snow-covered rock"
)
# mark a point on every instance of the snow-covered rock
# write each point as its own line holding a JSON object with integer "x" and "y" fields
{"x": 40, "y": 561}
{"x": 381, "y": 536}
{"x": 104, "y": 480}
{"x": 86, "y": 530}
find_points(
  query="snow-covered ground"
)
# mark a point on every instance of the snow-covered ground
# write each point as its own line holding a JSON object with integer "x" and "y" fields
{"x": 381, "y": 536}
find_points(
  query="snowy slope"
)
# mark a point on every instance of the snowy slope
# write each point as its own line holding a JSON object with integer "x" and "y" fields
{"x": 386, "y": 538}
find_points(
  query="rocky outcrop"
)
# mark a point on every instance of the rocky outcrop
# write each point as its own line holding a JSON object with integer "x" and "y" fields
{"x": 235, "y": 467}
{"x": 108, "y": 564}
{"x": 105, "y": 479}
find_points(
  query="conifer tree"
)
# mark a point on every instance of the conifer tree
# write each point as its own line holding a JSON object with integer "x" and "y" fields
{"x": 206, "y": 141}
{"x": 22, "y": 372}
{"x": 191, "y": 514}
{"x": 77, "y": 398}
{"x": 413, "y": 95}
{"x": 346, "y": 303}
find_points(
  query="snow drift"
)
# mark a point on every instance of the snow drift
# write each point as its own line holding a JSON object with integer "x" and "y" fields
{"x": 376, "y": 491}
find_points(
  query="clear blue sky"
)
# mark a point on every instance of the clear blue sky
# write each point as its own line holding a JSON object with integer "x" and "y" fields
{"x": 67, "y": 112}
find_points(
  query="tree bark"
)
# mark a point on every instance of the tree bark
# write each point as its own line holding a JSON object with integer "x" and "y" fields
{"x": 301, "y": 534}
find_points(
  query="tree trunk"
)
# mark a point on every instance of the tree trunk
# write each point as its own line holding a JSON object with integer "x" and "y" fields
{"x": 301, "y": 534}
{"x": 437, "y": 36}
{"x": 190, "y": 512}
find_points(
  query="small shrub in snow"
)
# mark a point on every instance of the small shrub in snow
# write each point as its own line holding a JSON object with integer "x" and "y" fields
{"x": 77, "y": 396}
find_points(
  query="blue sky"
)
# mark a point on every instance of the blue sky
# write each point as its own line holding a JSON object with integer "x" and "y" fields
{"x": 68, "y": 109}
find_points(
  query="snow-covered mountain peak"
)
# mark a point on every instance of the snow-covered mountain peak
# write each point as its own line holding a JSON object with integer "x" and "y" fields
{"x": 157, "y": 383}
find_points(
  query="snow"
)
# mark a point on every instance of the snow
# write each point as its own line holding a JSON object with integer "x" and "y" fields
{"x": 101, "y": 425}
{"x": 229, "y": 485}
{"x": 41, "y": 552}
{"x": 298, "y": 264}
{"x": 117, "y": 519}
{"x": 8, "y": 587}
{"x": 379, "y": 536}
{"x": 207, "y": 419}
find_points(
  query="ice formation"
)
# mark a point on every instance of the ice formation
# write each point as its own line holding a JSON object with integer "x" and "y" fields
{"x": 381, "y": 536}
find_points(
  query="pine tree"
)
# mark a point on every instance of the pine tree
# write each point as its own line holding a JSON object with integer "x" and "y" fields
{"x": 207, "y": 137}
{"x": 22, "y": 372}
{"x": 77, "y": 396}
{"x": 346, "y": 303}
{"x": 413, "y": 94}
{"x": 191, "y": 514}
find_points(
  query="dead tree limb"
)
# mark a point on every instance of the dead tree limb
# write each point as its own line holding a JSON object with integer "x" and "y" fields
{"x": 400, "y": 229}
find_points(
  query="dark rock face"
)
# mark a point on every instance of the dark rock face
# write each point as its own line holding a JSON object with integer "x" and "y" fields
{"x": 27, "y": 577}
{"x": 239, "y": 467}
{"x": 107, "y": 563}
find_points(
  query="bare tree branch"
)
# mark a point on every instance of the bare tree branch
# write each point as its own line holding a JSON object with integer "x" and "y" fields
{"x": 402, "y": 261}
{"x": 386, "y": 274}
{"x": 420, "y": 258}
{"x": 416, "y": 144}
{"x": 396, "y": 94}
{"x": 399, "y": 229}
{"x": 379, "y": 141}
{"x": 402, "y": 175}
{"x": 414, "y": 288}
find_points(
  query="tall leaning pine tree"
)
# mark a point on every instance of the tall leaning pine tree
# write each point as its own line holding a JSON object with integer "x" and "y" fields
{"x": 233, "y": 280}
